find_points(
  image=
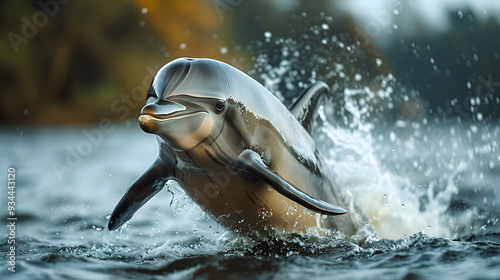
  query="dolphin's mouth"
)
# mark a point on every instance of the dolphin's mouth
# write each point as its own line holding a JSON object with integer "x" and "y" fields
{"x": 152, "y": 123}
{"x": 161, "y": 118}
{"x": 164, "y": 110}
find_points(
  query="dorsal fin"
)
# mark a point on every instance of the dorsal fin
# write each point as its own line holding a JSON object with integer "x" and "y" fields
{"x": 305, "y": 109}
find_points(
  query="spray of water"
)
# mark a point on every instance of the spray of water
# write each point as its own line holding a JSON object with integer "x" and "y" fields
{"x": 401, "y": 175}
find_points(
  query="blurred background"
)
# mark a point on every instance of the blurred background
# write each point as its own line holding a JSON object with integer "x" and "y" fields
{"x": 412, "y": 140}
{"x": 77, "y": 62}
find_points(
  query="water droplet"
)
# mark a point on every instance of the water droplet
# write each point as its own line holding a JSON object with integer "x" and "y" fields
{"x": 469, "y": 85}
{"x": 460, "y": 14}
{"x": 393, "y": 149}
{"x": 223, "y": 50}
{"x": 392, "y": 136}
{"x": 479, "y": 116}
{"x": 325, "y": 26}
{"x": 142, "y": 23}
{"x": 183, "y": 46}
{"x": 144, "y": 11}
{"x": 403, "y": 205}
{"x": 432, "y": 60}
{"x": 357, "y": 77}
{"x": 268, "y": 34}
{"x": 26, "y": 112}
{"x": 378, "y": 62}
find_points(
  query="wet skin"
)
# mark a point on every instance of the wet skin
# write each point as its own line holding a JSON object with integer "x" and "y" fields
{"x": 237, "y": 151}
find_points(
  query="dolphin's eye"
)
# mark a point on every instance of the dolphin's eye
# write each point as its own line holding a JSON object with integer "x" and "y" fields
{"x": 220, "y": 105}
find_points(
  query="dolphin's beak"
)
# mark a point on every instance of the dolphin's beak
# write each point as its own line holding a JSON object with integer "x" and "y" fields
{"x": 142, "y": 190}
{"x": 151, "y": 113}
{"x": 162, "y": 108}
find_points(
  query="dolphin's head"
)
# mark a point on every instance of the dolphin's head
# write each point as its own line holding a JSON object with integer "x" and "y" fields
{"x": 186, "y": 102}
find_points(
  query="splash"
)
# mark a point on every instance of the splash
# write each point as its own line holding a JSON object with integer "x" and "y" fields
{"x": 401, "y": 169}
{"x": 388, "y": 204}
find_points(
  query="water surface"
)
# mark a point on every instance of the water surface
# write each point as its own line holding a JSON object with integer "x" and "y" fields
{"x": 426, "y": 208}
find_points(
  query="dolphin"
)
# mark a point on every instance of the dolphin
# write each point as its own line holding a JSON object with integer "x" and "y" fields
{"x": 237, "y": 151}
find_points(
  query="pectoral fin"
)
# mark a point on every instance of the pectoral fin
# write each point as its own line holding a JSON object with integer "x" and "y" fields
{"x": 142, "y": 190}
{"x": 250, "y": 164}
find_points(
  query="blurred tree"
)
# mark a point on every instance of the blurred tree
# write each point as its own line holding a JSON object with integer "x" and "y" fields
{"x": 69, "y": 63}
{"x": 94, "y": 59}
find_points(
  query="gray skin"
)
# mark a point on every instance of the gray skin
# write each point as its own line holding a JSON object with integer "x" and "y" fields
{"x": 237, "y": 151}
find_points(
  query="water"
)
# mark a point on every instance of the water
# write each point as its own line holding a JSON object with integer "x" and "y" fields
{"x": 448, "y": 225}
{"x": 424, "y": 191}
